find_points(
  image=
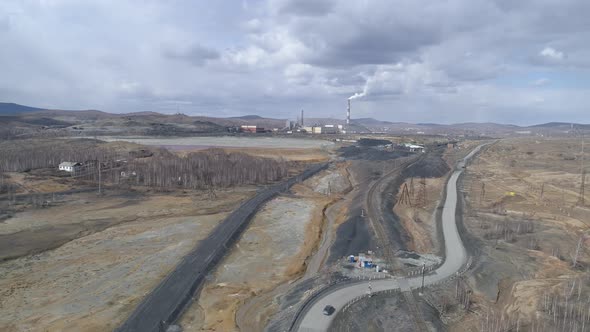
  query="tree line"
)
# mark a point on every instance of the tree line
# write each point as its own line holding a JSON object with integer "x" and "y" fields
{"x": 154, "y": 167}
{"x": 205, "y": 170}
{"x": 23, "y": 155}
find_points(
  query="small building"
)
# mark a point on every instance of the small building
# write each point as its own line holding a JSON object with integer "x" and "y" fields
{"x": 414, "y": 148}
{"x": 253, "y": 129}
{"x": 330, "y": 129}
{"x": 316, "y": 130}
{"x": 125, "y": 174}
{"x": 69, "y": 166}
{"x": 248, "y": 129}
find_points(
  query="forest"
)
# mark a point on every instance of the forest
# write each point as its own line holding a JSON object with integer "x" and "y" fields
{"x": 154, "y": 167}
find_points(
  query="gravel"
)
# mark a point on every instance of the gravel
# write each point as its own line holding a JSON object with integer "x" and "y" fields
{"x": 227, "y": 141}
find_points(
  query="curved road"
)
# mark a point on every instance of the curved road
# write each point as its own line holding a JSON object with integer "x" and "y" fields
{"x": 456, "y": 256}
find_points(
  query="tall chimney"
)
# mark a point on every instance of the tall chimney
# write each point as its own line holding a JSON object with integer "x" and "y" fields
{"x": 302, "y": 123}
{"x": 348, "y": 114}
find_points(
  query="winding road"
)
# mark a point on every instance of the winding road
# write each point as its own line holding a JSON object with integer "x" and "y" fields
{"x": 313, "y": 319}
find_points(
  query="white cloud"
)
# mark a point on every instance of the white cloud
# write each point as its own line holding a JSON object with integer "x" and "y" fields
{"x": 254, "y": 25}
{"x": 541, "y": 82}
{"x": 551, "y": 53}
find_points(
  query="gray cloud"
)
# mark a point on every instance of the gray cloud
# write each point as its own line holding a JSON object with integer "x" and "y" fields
{"x": 420, "y": 58}
{"x": 305, "y": 7}
{"x": 197, "y": 55}
{"x": 4, "y": 23}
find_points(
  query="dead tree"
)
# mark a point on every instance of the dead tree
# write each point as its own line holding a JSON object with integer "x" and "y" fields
{"x": 463, "y": 294}
{"x": 577, "y": 253}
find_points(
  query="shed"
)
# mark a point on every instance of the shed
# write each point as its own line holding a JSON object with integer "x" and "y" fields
{"x": 69, "y": 166}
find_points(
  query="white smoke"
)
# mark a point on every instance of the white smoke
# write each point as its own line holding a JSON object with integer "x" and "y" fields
{"x": 357, "y": 95}
{"x": 387, "y": 79}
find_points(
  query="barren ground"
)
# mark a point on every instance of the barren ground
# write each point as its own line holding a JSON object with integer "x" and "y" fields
{"x": 523, "y": 212}
{"x": 272, "y": 251}
{"x": 417, "y": 211}
{"x": 84, "y": 262}
{"x": 120, "y": 248}
{"x": 418, "y": 219}
{"x": 228, "y": 141}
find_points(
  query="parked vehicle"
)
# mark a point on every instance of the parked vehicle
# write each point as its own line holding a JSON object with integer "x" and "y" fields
{"x": 328, "y": 310}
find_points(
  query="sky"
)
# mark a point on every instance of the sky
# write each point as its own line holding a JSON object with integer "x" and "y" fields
{"x": 447, "y": 61}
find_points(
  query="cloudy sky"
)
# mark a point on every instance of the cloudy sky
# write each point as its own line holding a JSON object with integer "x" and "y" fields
{"x": 444, "y": 61}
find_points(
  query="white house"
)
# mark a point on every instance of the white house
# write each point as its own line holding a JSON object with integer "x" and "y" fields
{"x": 414, "y": 148}
{"x": 69, "y": 166}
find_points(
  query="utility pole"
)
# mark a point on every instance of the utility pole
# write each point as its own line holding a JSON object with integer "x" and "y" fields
{"x": 421, "y": 201}
{"x": 423, "y": 273}
{"x": 405, "y": 196}
{"x": 99, "y": 178}
{"x": 583, "y": 174}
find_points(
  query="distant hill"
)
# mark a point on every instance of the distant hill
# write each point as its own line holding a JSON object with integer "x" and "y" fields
{"x": 561, "y": 125}
{"x": 371, "y": 122}
{"x": 551, "y": 125}
{"x": 33, "y": 120}
{"x": 248, "y": 117}
{"x": 12, "y": 108}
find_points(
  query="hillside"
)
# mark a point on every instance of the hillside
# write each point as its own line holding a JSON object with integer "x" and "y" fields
{"x": 12, "y": 108}
{"x": 20, "y": 120}
{"x": 23, "y": 121}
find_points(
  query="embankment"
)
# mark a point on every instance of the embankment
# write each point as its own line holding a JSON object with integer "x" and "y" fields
{"x": 165, "y": 304}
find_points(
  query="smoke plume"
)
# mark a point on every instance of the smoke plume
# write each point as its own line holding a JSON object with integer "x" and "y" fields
{"x": 357, "y": 95}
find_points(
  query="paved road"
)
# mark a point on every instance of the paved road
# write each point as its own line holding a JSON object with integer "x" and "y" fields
{"x": 313, "y": 320}
{"x": 165, "y": 304}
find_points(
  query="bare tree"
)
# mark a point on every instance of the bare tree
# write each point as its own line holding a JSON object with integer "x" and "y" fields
{"x": 213, "y": 168}
{"x": 577, "y": 253}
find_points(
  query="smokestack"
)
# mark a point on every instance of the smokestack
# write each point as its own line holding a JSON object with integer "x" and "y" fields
{"x": 348, "y": 114}
{"x": 302, "y": 123}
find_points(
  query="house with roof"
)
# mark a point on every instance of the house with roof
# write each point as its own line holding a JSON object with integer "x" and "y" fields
{"x": 69, "y": 166}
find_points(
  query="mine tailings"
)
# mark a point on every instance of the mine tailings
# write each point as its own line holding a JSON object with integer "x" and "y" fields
{"x": 166, "y": 303}
{"x": 430, "y": 165}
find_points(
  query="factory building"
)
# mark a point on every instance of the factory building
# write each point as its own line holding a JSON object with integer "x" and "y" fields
{"x": 325, "y": 129}
{"x": 317, "y": 128}
{"x": 252, "y": 129}
{"x": 331, "y": 129}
